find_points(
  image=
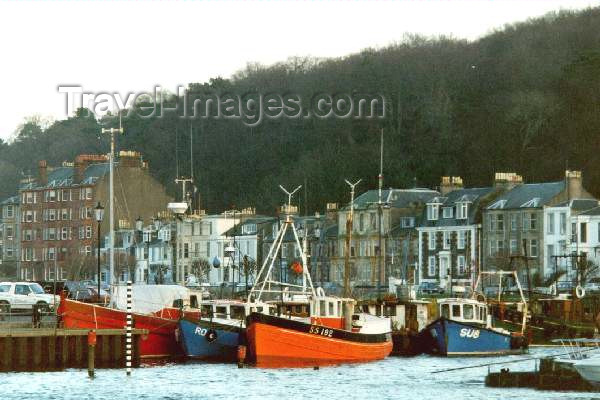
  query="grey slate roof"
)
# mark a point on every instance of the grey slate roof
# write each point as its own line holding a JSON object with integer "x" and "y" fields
{"x": 530, "y": 195}
{"x": 472, "y": 196}
{"x": 257, "y": 219}
{"x": 579, "y": 204}
{"x": 396, "y": 198}
{"x": 11, "y": 200}
{"x": 591, "y": 212}
{"x": 63, "y": 176}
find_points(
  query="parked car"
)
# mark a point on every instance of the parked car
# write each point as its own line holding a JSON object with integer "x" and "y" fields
{"x": 430, "y": 288}
{"x": 24, "y": 295}
{"x": 592, "y": 287}
{"x": 565, "y": 287}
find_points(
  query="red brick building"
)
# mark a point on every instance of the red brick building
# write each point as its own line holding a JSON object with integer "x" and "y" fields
{"x": 58, "y": 228}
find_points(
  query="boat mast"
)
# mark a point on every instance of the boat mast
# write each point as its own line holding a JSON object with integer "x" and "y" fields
{"x": 111, "y": 200}
{"x": 264, "y": 274}
{"x": 349, "y": 227}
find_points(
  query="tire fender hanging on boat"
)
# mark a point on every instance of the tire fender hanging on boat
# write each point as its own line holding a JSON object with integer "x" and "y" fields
{"x": 211, "y": 335}
{"x": 580, "y": 292}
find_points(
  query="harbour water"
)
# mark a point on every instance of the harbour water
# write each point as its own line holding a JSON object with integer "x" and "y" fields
{"x": 397, "y": 378}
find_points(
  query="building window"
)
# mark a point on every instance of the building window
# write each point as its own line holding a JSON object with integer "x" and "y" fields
{"x": 463, "y": 210}
{"x": 550, "y": 229}
{"x": 563, "y": 223}
{"x": 186, "y": 250}
{"x": 431, "y": 236}
{"x": 533, "y": 221}
{"x": 461, "y": 265}
{"x": 431, "y": 266}
{"x": 462, "y": 239}
{"x": 500, "y": 222}
{"x": 373, "y": 221}
{"x": 549, "y": 254}
{"x": 500, "y": 246}
{"x": 513, "y": 246}
{"x": 447, "y": 212}
{"x": 248, "y": 229}
{"x": 408, "y": 222}
{"x": 432, "y": 212}
{"x": 64, "y": 233}
{"x": 446, "y": 240}
{"x": 583, "y": 232}
{"x": 88, "y": 231}
{"x": 533, "y": 248}
{"x": 513, "y": 222}
{"x": 9, "y": 212}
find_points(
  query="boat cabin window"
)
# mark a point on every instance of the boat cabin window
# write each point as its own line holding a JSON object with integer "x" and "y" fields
{"x": 468, "y": 311}
{"x": 331, "y": 309}
{"x": 482, "y": 313}
{"x": 445, "y": 310}
{"x": 322, "y": 309}
{"x": 339, "y": 304}
{"x": 193, "y": 301}
{"x": 238, "y": 312}
{"x": 178, "y": 303}
{"x": 456, "y": 310}
{"x": 206, "y": 310}
{"x": 221, "y": 312}
{"x": 298, "y": 309}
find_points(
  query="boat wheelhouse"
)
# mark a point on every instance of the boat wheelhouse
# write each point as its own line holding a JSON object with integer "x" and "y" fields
{"x": 465, "y": 328}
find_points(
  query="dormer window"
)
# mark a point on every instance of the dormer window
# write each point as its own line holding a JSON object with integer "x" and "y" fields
{"x": 447, "y": 212}
{"x": 433, "y": 210}
{"x": 462, "y": 210}
{"x": 248, "y": 229}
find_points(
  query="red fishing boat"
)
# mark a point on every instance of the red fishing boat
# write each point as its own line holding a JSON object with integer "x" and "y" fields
{"x": 159, "y": 343}
{"x": 294, "y": 342}
{"x": 331, "y": 334}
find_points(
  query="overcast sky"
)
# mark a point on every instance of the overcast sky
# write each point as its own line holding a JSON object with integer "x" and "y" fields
{"x": 124, "y": 46}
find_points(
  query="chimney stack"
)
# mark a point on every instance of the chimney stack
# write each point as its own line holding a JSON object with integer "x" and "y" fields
{"x": 131, "y": 159}
{"x": 43, "y": 172}
{"x": 574, "y": 184}
{"x": 82, "y": 161}
{"x": 507, "y": 180}
{"x": 450, "y": 183}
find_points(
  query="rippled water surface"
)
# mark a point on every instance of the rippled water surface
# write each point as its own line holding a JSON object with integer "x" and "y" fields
{"x": 393, "y": 378}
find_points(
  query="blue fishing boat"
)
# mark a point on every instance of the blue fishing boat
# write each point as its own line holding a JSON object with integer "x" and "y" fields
{"x": 464, "y": 329}
{"x": 217, "y": 331}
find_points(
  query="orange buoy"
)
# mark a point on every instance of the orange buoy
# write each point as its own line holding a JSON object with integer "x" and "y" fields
{"x": 241, "y": 354}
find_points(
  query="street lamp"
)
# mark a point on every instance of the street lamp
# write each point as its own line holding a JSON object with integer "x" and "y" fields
{"x": 99, "y": 214}
{"x": 230, "y": 254}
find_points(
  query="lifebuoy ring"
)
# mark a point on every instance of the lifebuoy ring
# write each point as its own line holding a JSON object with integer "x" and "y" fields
{"x": 580, "y": 292}
{"x": 211, "y": 335}
{"x": 320, "y": 292}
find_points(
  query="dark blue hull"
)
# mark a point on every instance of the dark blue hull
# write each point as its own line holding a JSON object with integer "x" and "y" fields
{"x": 445, "y": 337}
{"x": 208, "y": 340}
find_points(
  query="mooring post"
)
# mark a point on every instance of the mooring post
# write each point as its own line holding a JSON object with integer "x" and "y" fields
{"x": 128, "y": 338}
{"x": 91, "y": 352}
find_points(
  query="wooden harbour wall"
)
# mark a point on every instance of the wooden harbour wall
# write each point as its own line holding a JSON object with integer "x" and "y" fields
{"x": 56, "y": 349}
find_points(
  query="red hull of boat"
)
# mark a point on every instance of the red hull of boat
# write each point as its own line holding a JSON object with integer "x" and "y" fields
{"x": 273, "y": 346}
{"x": 160, "y": 342}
